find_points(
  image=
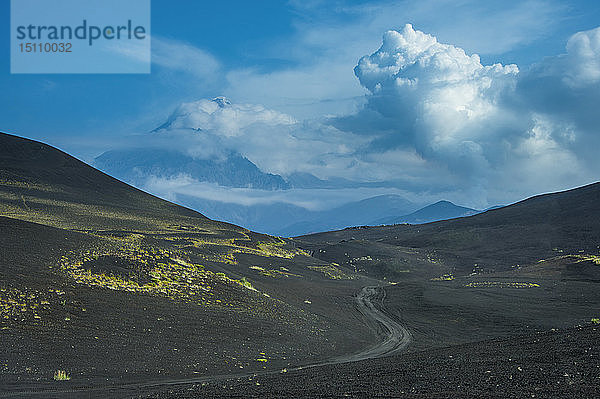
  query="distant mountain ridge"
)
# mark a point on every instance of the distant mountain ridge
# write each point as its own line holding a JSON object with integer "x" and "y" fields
{"x": 441, "y": 210}
{"x": 356, "y": 213}
{"x": 229, "y": 168}
{"x": 136, "y": 165}
{"x": 539, "y": 227}
{"x": 289, "y": 220}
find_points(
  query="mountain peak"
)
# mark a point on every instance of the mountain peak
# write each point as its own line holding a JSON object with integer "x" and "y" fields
{"x": 444, "y": 202}
{"x": 441, "y": 210}
{"x": 221, "y": 101}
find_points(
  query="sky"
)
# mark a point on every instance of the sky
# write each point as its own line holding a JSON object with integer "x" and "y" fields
{"x": 476, "y": 102}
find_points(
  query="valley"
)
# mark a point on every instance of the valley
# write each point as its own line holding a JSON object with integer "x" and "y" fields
{"x": 129, "y": 295}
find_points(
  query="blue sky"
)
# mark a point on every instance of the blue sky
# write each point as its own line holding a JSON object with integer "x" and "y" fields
{"x": 298, "y": 58}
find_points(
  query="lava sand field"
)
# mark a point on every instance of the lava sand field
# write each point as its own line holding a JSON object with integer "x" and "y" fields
{"x": 106, "y": 291}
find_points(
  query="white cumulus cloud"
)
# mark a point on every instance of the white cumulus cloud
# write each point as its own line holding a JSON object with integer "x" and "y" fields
{"x": 433, "y": 90}
{"x": 478, "y": 126}
{"x": 274, "y": 141}
{"x": 583, "y": 52}
{"x": 436, "y": 121}
{"x": 222, "y": 117}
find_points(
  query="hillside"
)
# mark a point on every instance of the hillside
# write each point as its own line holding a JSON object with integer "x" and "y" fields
{"x": 554, "y": 365}
{"x": 133, "y": 296}
{"x": 540, "y": 227}
{"x": 111, "y": 283}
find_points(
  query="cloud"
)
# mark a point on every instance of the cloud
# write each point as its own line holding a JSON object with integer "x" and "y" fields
{"x": 172, "y": 55}
{"x": 135, "y": 50}
{"x": 578, "y": 68}
{"x": 317, "y": 79}
{"x": 480, "y": 126}
{"x": 224, "y": 118}
{"x": 436, "y": 122}
{"x": 173, "y": 188}
{"x": 583, "y": 53}
{"x": 500, "y": 26}
{"x": 412, "y": 73}
{"x": 359, "y": 24}
{"x": 559, "y": 94}
{"x": 183, "y": 57}
{"x": 433, "y": 98}
{"x": 324, "y": 87}
{"x": 274, "y": 141}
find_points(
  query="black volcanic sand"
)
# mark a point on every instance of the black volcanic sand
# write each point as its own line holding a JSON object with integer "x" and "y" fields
{"x": 109, "y": 336}
{"x": 53, "y": 206}
{"x": 557, "y": 364}
{"x": 125, "y": 291}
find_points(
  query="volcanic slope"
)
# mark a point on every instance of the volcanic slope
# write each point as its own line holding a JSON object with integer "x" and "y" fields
{"x": 133, "y": 295}
{"x": 531, "y": 265}
{"x": 499, "y": 305}
{"x": 113, "y": 285}
{"x": 541, "y": 227}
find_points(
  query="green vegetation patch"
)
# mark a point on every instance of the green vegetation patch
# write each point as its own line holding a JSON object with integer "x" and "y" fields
{"x": 332, "y": 271}
{"x": 576, "y": 258}
{"x": 19, "y": 305}
{"x": 501, "y": 284}
{"x": 61, "y": 375}
{"x": 278, "y": 249}
{"x": 274, "y": 273}
{"x": 152, "y": 271}
{"x": 444, "y": 277}
{"x": 223, "y": 250}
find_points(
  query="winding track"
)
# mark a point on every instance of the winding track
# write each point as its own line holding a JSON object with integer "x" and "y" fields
{"x": 369, "y": 302}
{"x": 395, "y": 336}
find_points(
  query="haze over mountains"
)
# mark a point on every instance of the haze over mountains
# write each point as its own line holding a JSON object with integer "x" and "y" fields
{"x": 157, "y": 167}
{"x": 233, "y": 170}
{"x": 441, "y": 210}
{"x": 278, "y": 218}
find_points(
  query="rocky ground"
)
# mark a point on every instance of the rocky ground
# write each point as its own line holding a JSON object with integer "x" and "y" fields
{"x": 106, "y": 291}
{"x": 552, "y": 364}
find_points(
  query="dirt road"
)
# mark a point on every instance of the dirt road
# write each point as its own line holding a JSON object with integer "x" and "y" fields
{"x": 392, "y": 337}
